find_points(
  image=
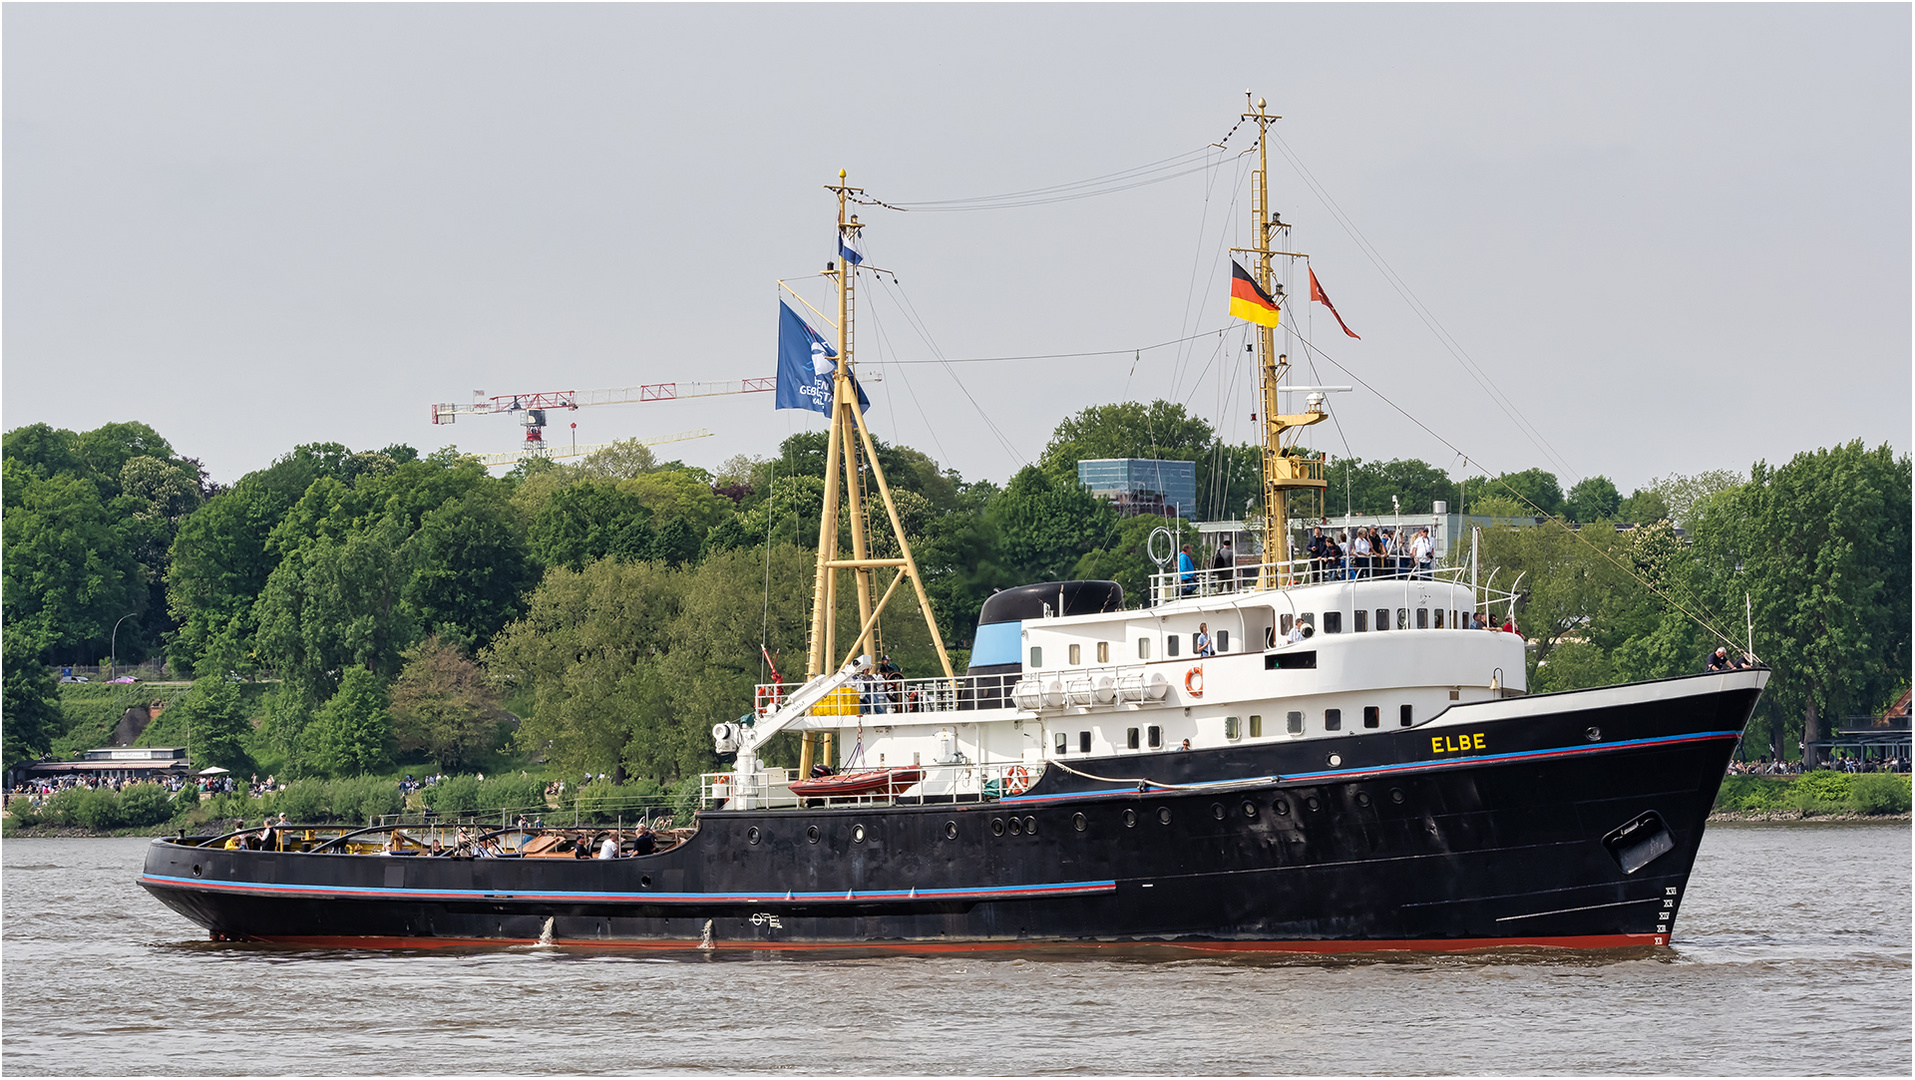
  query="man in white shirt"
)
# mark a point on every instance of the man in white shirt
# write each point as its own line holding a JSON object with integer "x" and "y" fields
{"x": 1423, "y": 552}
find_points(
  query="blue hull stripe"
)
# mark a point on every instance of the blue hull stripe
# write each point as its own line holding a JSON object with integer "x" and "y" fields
{"x": 854, "y": 896}
{"x": 1373, "y": 770}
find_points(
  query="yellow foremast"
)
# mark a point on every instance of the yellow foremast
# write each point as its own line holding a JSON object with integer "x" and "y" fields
{"x": 1284, "y": 470}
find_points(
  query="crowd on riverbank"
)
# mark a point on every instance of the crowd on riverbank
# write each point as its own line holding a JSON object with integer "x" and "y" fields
{"x": 1762, "y": 766}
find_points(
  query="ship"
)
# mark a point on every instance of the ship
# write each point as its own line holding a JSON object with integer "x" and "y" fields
{"x": 1281, "y": 754}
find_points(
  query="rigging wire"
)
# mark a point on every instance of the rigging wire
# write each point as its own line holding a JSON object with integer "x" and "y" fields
{"x": 1518, "y": 495}
{"x": 1429, "y": 320}
{"x": 916, "y": 322}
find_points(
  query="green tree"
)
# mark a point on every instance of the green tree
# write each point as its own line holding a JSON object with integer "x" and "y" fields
{"x": 353, "y": 732}
{"x": 333, "y": 604}
{"x": 592, "y": 519}
{"x": 1643, "y": 507}
{"x": 1593, "y": 498}
{"x": 442, "y": 704}
{"x": 31, "y": 714}
{"x": 1535, "y": 490}
{"x": 70, "y": 571}
{"x": 1366, "y": 487}
{"x": 1046, "y": 523}
{"x": 468, "y": 566}
{"x": 1679, "y": 493}
{"x": 216, "y": 725}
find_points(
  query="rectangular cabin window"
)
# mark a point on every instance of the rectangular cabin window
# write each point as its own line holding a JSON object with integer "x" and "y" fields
{"x": 1382, "y": 618}
{"x": 1293, "y": 723}
{"x": 1362, "y": 621}
{"x": 1256, "y": 726}
{"x": 1103, "y": 652}
{"x": 1402, "y": 618}
{"x": 1232, "y": 728}
{"x": 1170, "y": 644}
{"x": 1143, "y": 648}
{"x": 1077, "y": 655}
{"x": 1404, "y": 716}
{"x": 1455, "y": 622}
{"x": 1439, "y": 618}
{"x": 1083, "y": 742}
{"x": 1283, "y": 625}
{"x": 1223, "y": 641}
{"x": 1372, "y": 716}
{"x": 1333, "y": 622}
{"x": 1063, "y": 742}
{"x": 1037, "y": 656}
{"x": 1333, "y": 719}
{"x": 1130, "y": 738}
{"x": 1422, "y": 618}
{"x": 1155, "y": 735}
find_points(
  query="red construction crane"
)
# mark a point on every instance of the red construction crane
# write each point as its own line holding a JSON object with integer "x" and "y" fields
{"x": 536, "y": 405}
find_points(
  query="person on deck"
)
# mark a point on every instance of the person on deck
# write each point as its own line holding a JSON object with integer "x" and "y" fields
{"x": 1718, "y": 660}
{"x": 1200, "y": 644}
{"x": 1187, "y": 570}
{"x": 1224, "y": 566}
{"x": 1422, "y": 553}
{"x": 1319, "y": 551}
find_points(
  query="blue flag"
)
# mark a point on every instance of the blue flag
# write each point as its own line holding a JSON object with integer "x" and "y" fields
{"x": 849, "y": 253}
{"x": 806, "y": 365}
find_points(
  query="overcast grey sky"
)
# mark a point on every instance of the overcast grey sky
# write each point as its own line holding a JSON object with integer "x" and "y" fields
{"x": 1676, "y": 238}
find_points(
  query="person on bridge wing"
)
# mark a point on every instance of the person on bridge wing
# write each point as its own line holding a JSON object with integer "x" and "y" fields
{"x": 1718, "y": 660}
{"x": 1319, "y": 551}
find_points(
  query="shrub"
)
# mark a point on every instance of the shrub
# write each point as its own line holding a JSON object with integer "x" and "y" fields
{"x": 454, "y": 795}
{"x": 1751, "y": 793}
{"x": 1821, "y": 791}
{"x": 305, "y": 802}
{"x": 145, "y": 804}
{"x": 1879, "y": 793}
{"x": 21, "y": 810}
{"x": 60, "y": 806}
{"x": 97, "y": 809}
{"x": 359, "y": 799}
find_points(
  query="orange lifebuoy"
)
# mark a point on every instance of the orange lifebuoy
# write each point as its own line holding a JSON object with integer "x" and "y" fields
{"x": 1017, "y": 780}
{"x": 1194, "y": 681}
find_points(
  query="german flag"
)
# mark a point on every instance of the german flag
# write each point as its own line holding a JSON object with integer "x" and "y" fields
{"x": 1247, "y": 298}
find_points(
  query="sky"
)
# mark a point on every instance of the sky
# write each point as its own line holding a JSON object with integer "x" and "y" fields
{"x": 1629, "y": 240}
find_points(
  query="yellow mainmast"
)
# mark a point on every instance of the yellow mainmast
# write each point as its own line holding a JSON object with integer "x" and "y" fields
{"x": 848, "y": 436}
{"x": 1283, "y": 472}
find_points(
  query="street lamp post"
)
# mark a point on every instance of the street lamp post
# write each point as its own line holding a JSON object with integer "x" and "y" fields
{"x": 113, "y": 661}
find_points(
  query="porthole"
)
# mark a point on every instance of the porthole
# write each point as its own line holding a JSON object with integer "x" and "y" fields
{"x": 1593, "y": 734}
{"x": 645, "y": 882}
{"x": 997, "y": 826}
{"x": 1363, "y": 798}
{"x": 1130, "y": 819}
{"x": 1030, "y": 826}
{"x": 1016, "y": 826}
{"x": 1396, "y": 795}
{"x": 1217, "y": 811}
{"x": 857, "y": 834}
{"x": 1079, "y": 822}
{"x": 1310, "y": 803}
{"x": 1163, "y": 815}
{"x": 950, "y": 830}
{"x": 1249, "y": 808}
{"x": 1281, "y": 807}
{"x": 197, "y": 872}
{"x": 1335, "y": 760}
{"x": 752, "y": 835}
{"x": 811, "y": 833}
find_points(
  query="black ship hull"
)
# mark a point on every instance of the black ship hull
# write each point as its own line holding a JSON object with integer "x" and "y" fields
{"x": 1567, "y": 820}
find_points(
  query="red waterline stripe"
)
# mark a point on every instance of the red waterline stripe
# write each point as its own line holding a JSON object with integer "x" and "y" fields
{"x": 1587, "y": 941}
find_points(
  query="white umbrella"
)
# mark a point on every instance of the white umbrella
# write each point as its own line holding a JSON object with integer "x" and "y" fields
{"x": 212, "y": 770}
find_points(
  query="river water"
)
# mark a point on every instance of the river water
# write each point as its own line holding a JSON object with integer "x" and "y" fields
{"x": 1792, "y": 956}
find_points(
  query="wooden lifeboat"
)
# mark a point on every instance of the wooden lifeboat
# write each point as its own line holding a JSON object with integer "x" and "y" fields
{"x": 890, "y": 781}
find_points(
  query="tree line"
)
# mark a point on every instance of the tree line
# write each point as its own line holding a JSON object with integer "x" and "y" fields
{"x": 415, "y": 609}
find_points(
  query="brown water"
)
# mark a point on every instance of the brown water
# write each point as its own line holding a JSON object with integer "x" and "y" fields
{"x": 1792, "y": 956}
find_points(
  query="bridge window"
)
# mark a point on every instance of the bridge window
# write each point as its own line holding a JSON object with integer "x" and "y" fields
{"x": 1232, "y": 728}
{"x": 1083, "y": 742}
{"x": 1333, "y": 719}
{"x": 1283, "y": 625}
{"x": 1077, "y": 655}
{"x": 1293, "y": 723}
{"x": 1382, "y": 618}
{"x": 1422, "y": 618}
{"x": 1170, "y": 644}
{"x": 1063, "y": 742}
{"x": 1362, "y": 621}
{"x": 1439, "y": 618}
{"x": 1223, "y": 641}
{"x": 1130, "y": 738}
{"x": 1402, "y": 618}
{"x": 1155, "y": 735}
{"x": 1103, "y": 652}
{"x": 1037, "y": 656}
{"x": 1143, "y": 648}
{"x": 1372, "y": 716}
{"x": 1256, "y": 726}
{"x": 1332, "y": 622}
{"x": 1404, "y": 715}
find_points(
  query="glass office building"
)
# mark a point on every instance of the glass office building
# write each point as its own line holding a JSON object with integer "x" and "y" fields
{"x": 1123, "y": 479}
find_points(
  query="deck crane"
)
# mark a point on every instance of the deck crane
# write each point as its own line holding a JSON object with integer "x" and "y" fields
{"x": 535, "y": 406}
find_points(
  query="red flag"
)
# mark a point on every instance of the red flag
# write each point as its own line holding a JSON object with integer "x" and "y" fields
{"x": 1321, "y": 297}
